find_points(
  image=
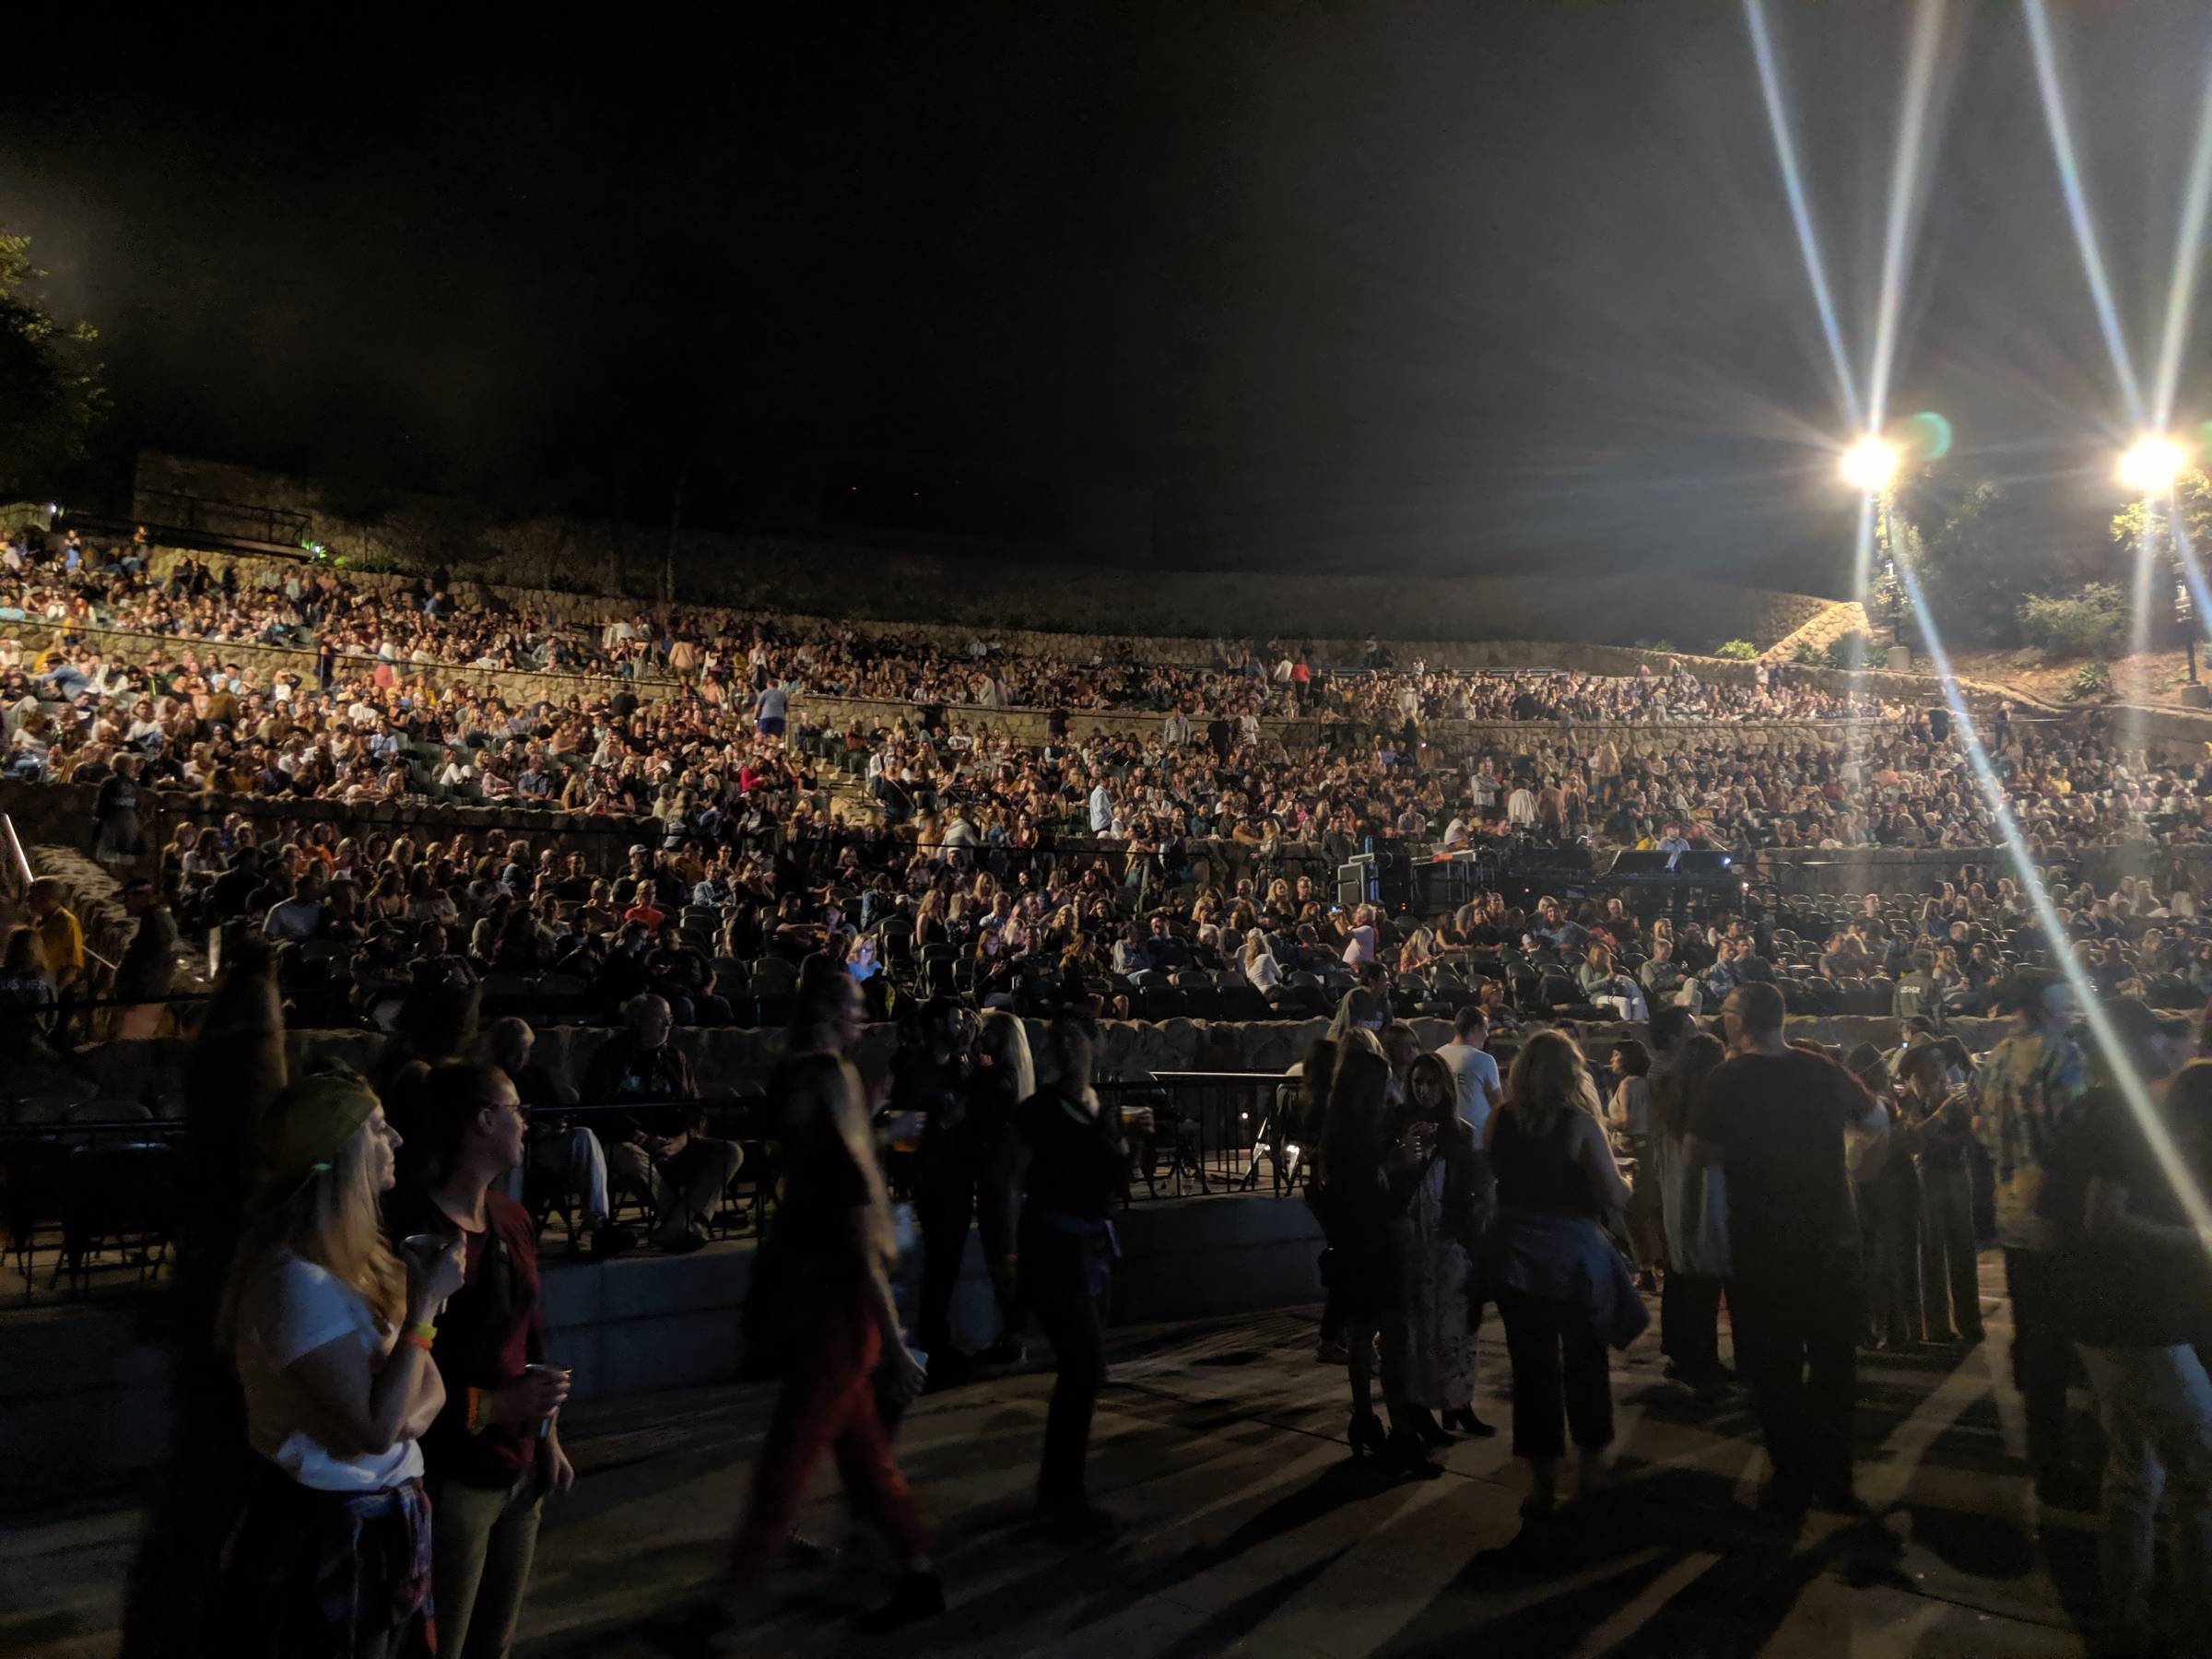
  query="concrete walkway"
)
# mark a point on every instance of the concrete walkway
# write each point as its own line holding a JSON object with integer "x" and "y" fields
{"x": 1221, "y": 1447}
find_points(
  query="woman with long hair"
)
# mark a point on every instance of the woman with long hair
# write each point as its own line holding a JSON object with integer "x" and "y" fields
{"x": 823, "y": 1293}
{"x": 1368, "y": 1179}
{"x": 1629, "y": 1111}
{"x": 1440, "y": 1240}
{"x": 331, "y": 1335}
{"x": 1258, "y": 964}
{"x": 1003, "y": 1077}
{"x": 1068, "y": 1161}
{"x": 1316, "y": 1072}
{"x": 1564, "y": 1292}
{"x": 493, "y": 1453}
{"x": 1694, "y": 1209}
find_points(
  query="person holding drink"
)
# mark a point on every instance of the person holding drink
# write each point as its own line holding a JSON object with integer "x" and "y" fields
{"x": 493, "y": 1451}
{"x": 1068, "y": 1160}
{"x": 331, "y": 1332}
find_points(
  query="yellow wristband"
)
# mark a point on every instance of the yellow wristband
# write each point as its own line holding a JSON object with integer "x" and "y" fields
{"x": 424, "y": 1332}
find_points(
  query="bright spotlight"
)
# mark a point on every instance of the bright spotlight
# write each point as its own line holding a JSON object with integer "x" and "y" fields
{"x": 2151, "y": 464}
{"x": 1870, "y": 464}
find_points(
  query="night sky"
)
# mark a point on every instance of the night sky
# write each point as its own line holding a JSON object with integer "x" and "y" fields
{"x": 1449, "y": 288}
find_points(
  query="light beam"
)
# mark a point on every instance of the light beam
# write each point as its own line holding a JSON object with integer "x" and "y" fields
{"x": 1905, "y": 168}
{"x": 2102, "y": 1030}
{"x": 1793, "y": 185}
{"x": 2077, "y": 208}
{"x": 2188, "y": 254}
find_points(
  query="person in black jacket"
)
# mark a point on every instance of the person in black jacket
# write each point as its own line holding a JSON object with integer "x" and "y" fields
{"x": 1366, "y": 1180}
{"x": 1068, "y": 1160}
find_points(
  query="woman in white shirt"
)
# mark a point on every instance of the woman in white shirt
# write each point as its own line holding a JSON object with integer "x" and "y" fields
{"x": 331, "y": 1336}
{"x": 1260, "y": 966}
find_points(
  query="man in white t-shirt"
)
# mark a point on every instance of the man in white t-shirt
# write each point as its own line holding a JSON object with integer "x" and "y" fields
{"x": 1476, "y": 1073}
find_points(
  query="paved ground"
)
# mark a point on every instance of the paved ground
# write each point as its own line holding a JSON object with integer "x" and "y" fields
{"x": 1248, "y": 1531}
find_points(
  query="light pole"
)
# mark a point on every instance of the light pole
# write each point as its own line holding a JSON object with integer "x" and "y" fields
{"x": 2149, "y": 469}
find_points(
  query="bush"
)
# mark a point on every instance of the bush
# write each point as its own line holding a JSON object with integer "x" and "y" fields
{"x": 2091, "y": 681}
{"x": 1736, "y": 651}
{"x": 2089, "y": 622}
{"x": 1666, "y": 645}
{"x": 1808, "y": 655}
{"x": 1848, "y": 650}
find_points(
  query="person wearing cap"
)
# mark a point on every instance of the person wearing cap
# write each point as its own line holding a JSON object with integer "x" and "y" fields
{"x": 331, "y": 1332}
{"x": 2027, "y": 1086}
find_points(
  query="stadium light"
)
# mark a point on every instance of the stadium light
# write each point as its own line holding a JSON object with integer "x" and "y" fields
{"x": 2151, "y": 464}
{"x": 1870, "y": 464}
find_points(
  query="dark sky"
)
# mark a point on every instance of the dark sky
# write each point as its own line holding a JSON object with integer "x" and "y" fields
{"x": 1439, "y": 287}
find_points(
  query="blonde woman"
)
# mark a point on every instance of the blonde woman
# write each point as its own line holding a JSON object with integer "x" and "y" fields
{"x": 1564, "y": 1292}
{"x": 963, "y": 1183}
{"x": 331, "y": 1331}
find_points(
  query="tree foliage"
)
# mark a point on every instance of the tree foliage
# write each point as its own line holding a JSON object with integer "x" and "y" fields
{"x": 51, "y": 397}
{"x": 1977, "y": 550}
{"x": 2091, "y": 622}
{"x": 2152, "y": 522}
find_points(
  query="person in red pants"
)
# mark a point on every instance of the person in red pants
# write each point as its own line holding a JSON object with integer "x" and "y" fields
{"x": 827, "y": 1266}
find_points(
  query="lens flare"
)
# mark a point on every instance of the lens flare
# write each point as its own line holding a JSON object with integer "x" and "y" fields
{"x": 1870, "y": 464}
{"x": 1929, "y": 435}
{"x": 2151, "y": 464}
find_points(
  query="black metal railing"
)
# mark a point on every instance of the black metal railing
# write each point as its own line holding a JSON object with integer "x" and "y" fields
{"x": 1212, "y": 1132}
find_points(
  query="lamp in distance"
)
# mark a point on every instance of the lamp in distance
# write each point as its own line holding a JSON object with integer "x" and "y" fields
{"x": 2151, "y": 464}
{"x": 1869, "y": 465}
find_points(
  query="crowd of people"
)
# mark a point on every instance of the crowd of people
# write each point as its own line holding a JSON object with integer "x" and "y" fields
{"x": 402, "y": 1400}
{"x": 703, "y": 726}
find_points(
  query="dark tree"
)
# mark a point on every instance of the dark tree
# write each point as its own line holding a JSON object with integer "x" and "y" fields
{"x": 51, "y": 397}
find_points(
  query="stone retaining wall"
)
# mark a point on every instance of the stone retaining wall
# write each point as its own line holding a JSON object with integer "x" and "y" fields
{"x": 991, "y": 588}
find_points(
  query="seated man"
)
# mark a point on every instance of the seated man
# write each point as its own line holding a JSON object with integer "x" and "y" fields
{"x": 660, "y": 1153}
{"x": 561, "y": 1156}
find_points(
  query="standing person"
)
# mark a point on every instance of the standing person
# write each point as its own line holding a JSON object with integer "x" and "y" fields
{"x": 1563, "y": 1289}
{"x": 1316, "y": 1072}
{"x": 1474, "y": 1068}
{"x": 1629, "y": 1114}
{"x": 1693, "y": 1209}
{"x": 825, "y": 1307}
{"x": 1774, "y": 1118}
{"x": 332, "y": 1338}
{"x": 929, "y": 1085}
{"x": 1004, "y": 1076}
{"x": 493, "y": 1453}
{"x": 1367, "y": 1177}
{"x": 1887, "y": 1189}
{"x": 2135, "y": 1301}
{"x": 148, "y": 967}
{"x": 1939, "y": 1117}
{"x": 115, "y": 812}
{"x": 2027, "y": 1084}
{"x": 1066, "y": 1161}
{"x": 1440, "y": 1242}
